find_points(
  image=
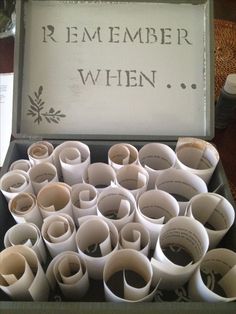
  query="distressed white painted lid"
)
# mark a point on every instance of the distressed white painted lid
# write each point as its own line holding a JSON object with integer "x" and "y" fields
{"x": 133, "y": 70}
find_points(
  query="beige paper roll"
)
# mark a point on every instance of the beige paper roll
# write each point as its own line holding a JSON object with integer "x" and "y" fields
{"x": 219, "y": 267}
{"x": 182, "y": 184}
{"x": 41, "y": 174}
{"x": 135, "y": 236}
{"x": 84, "y": 200}
{"x": 133, "y": 178}
{"x": 197, "y": 156}
{"x": 26, "y": 234}
{"x": 123, "y": 260}
{"x": 58, "y": 232}
{"x": 21, "y": 275}
{"x": 156, "y": 158}
{"x": 68, "y": 271}
{"x": 82, "y": 148}
{"x": 122, "y": 154}
{"x": 216, "y": 214}
{"x": 116, "y": 205}
{"x": 181, "y": 246}
{"x": 24, "y": 208}
{"x": 40, "y": 151}
{"x": 100, "y": 175}
{"x": 21, "y": 164}
{"x": 54, "y": 198}
{"x": 14, "y": 182}
{"x": 97, "y": 246}
{"x": 155, "y": 208}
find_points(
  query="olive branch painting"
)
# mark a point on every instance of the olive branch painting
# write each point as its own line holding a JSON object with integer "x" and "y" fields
{"x": 38, "y": 112}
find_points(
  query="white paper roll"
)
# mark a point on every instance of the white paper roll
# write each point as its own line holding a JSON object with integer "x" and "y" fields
{"x": 183, "y": 185}
{"x": 135, "y": 236}
{"x": 121, "y": 261}
{"x": 181, "y": 246}
{"x": 134, "y": 178}
{"x": 40, "y": 151}
{"x": 21, "y": 275}
{"x": 215, "y": 212}
{"x": 156, "y": 158}
{"x": 21, "y": 164}
{"x": 219, "y": 269}
{"x": 122, "y": 154}
{"x": 197, "y": 156}
{"x": 68, "y": 162}
{"x": 155, "y": 208}
{"x": 54, "y": 198}
{"x": 68, "y": 271}
{"x": 96, "y": 240}
{"x": 14, "y": 182}
{"x": 26, "y": 234}
{"x": 116, "y": 205}
{"x": 58, "y": 232}
{"x": 100, "y": 175}
{"x": 24, "y": 208}
{"x": 41, "y": 174}
{"x": 74, "y": 162}
{"x": 84, "y": 200}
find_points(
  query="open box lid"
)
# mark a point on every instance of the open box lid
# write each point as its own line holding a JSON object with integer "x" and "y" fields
{"x": 113, "y": 70}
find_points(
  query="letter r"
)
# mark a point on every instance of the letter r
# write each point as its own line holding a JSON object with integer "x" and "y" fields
{"x": 48, "y": 32}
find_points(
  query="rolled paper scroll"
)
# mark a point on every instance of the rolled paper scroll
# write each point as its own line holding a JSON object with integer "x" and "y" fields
{"x": 58, "y": 232}
{"x": 116, "y": 205}
{"x": 183, "y": 185}
{"x": 26, "y": 234}
{"x": 214, "y": 280}
{"x": 40, "y": 151}
{"x": 96, "y": 241}
{"x": 99, "y": 175}
{"x": 181, "y": 246}
{"x": 155, "y": 208}
{"x": 84, "y": 200}
{"x": 21, "y": 164}
{"x": 197, "y": 156}
{"x": 122, "y": 154}
{"x": 54, "y": 198}
{"x": 41, "y": 174}
{"x": 156, "y": 158}
{"x": 21, "y": 275}
{"x": 130, "y": 267}
{"x": 135, "y": 236}
{"x": 68, "y": 272}
{"x": 72, "y": 162}
{"x": 14, "y": 182}
{"x": 24, "y": 208}
{"x": 133, "y": 178}
{"x": 215, "y": 212}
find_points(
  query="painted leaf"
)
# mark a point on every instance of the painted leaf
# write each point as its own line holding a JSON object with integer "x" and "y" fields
{"x": 54, "y": 120}
{"x": 40, "y": 89}
{"x": 32, "y": 101}
{"x": 33, "y": 108}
